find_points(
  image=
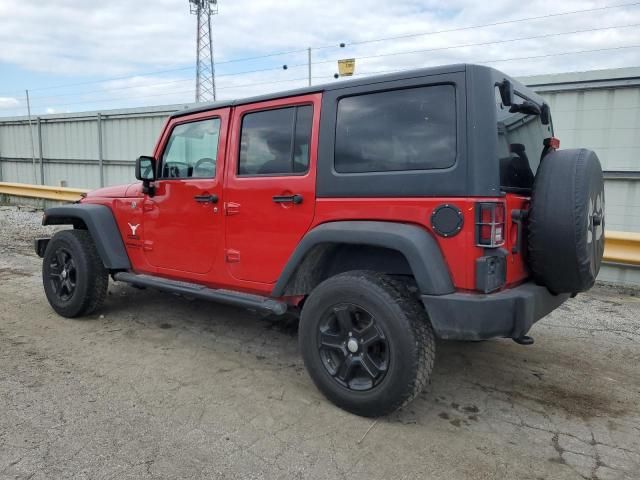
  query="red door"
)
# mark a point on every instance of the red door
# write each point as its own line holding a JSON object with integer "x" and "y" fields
{"x": 270, "y": 184}
{"x": 183, "y": 222}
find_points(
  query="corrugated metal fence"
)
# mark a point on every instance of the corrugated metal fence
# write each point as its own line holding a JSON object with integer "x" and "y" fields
{"x": 599, "y": 110}
{"x": 84, "y": 150}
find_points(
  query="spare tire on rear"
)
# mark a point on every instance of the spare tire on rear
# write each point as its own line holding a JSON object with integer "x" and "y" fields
{"x": 566, "y": 221}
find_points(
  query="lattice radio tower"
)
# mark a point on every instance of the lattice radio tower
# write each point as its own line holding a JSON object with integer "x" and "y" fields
{"x": 205, "y": 72}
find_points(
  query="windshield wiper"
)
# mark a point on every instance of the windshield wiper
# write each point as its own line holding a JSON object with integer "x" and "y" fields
{"x": 526, "y": 107}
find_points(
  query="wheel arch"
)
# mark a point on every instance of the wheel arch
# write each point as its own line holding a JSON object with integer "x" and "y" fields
{"x": 101, "y": 224}
{"x": 386, "y": 247}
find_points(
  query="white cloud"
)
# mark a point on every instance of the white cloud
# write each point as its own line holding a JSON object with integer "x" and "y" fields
{"x": 116, "y": 38}
{"x": 8, "y": 102}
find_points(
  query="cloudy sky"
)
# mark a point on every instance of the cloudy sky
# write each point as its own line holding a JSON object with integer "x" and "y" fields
{"x": 76, "y": 55}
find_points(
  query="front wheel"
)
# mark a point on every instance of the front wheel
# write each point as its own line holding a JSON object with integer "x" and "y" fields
{"x": 74, "y": 277}
{"x": 367, "y": 342}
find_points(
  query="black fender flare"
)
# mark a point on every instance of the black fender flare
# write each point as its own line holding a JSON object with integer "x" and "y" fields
{"x": 102, "y": 226}
{"x": 416, "y": 244}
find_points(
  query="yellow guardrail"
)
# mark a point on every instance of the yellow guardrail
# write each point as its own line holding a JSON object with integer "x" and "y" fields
{"x": 61, "y": 194}
{"x": 622, "y": 247}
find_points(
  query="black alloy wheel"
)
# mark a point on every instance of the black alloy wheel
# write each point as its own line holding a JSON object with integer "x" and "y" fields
{"x": 63, "y": 274}
{"x": 353, "y": 348}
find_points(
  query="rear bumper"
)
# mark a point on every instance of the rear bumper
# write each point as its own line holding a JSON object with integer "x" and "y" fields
{"x": 510, "y": 313}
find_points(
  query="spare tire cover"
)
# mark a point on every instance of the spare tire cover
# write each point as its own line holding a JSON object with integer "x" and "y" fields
{"x": 566, "y": 221}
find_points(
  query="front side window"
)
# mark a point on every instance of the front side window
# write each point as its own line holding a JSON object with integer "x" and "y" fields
{"x": 409, "y": 129}
{"x": 275, "y": 142}
{"x": 192, "y": 150}
{"x": 520, "y": 145}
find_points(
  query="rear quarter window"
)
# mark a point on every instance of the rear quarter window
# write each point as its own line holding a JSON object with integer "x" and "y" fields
{"x": 520, "y": 145}
{"x": 408, "y": 129}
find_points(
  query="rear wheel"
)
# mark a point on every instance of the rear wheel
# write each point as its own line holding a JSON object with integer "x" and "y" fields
{"x": 366, "y": 342}
{"x": 74, "y": 277}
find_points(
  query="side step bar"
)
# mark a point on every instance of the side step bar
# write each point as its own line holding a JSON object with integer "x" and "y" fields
{"x": 263, "y": 304}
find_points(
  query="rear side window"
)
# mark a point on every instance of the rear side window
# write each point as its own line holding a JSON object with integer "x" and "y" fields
{"x": 275, "y": 142}
{"x": 409, "y": 129}
{"x": 520, "y": 145}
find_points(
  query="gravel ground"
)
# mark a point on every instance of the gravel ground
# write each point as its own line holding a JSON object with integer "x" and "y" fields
{"x": 158, "y": 386}
{"x": 19, "y": 226}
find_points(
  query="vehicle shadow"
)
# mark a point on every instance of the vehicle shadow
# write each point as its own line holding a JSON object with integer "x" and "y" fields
{"x": 472, "y": 382}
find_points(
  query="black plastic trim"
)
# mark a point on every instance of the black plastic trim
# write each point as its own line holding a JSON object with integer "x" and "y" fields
{"x": 102, "y": 226}
{"x": 510, "y": 313}
{"x": 194, "y": 290}
{"x": 40, "y": 245}
{"x": 416, "y": 244}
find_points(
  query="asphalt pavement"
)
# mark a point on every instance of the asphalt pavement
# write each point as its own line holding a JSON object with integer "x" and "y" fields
{"x": 159, "y": 386}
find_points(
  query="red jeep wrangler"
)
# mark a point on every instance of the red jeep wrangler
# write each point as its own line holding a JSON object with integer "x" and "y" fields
{"x": 387, "y": 210}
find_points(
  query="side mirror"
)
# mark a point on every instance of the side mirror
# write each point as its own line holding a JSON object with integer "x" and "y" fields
{"x": 506, "y": 93}
{"x": 146, "y": 171}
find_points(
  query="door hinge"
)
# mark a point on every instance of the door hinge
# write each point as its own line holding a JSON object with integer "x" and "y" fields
{"x": 231, "y": 208}
{"x": 231, "y": 255}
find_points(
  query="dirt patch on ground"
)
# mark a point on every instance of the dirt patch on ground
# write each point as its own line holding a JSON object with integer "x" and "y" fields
{"x": 582, "y": 404}
{"x": 6, "y": 273}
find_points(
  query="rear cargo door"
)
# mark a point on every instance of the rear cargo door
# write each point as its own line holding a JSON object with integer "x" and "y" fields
{"x": 520, "y": 148}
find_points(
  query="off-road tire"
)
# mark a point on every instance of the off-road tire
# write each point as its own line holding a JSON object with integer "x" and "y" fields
{"x": 405, "y": 324}
{"x": 91, "y": 276}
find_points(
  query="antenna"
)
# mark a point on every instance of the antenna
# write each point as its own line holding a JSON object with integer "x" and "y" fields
{"x": 205, "y": 72}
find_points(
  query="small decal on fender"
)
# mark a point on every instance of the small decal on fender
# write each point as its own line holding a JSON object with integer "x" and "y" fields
{"x": 133, "y": 228}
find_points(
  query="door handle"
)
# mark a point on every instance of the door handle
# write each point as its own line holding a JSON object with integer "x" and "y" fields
{"x": 206, "y": 198}
{"x": 296, "y": 198}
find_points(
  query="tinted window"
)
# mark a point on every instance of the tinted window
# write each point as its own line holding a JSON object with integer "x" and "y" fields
{"x": 411, "y": 129}
{"x": 192, "y": 150}
{"x": 275, "y": 141}
{"x": 520, "y": 145}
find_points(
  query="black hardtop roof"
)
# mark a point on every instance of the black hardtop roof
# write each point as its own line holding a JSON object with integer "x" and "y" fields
{"x": 356, "y": 82}
{"x": 473, "y": 69}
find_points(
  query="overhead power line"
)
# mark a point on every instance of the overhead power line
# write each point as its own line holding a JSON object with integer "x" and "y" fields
{"x": 363, "y": 57}
{"x": 511, "y": 59}
{"x": 494, "y": 24}
{"x": 360, "y": 42}
{"x": 478, "y": 44}
{"x": 54, "y": 105}
{"x": 365, "y": 74}
{"x": 450, "y": 47}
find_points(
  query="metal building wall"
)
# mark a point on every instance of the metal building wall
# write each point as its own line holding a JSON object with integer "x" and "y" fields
{"x": 600, "y": 110}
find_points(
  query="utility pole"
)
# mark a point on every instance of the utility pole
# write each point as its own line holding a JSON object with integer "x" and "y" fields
{"x": 309, "y": 61}
{"x": 205, "y": 73}
{"x": 33, "y": 148}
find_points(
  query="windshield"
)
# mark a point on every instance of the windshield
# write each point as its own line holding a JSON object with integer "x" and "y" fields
{"x": 520, "y": 145}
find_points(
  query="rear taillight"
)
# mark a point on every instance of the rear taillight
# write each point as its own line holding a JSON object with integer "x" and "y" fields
{"x": 490, "y": 228}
